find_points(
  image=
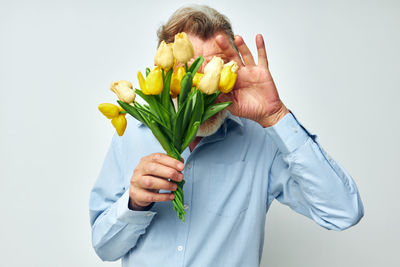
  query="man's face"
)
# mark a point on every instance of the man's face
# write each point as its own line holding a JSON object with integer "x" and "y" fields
{"x": 208, "y": 49}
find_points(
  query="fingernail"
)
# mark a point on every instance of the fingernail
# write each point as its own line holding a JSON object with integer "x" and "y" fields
{"x": 239, "y": 40}
{"x": 181, "y": 166}
{"x": 171, "y": 196}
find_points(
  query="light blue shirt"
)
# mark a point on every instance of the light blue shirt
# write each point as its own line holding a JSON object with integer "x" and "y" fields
{"x": 231, "y": 179}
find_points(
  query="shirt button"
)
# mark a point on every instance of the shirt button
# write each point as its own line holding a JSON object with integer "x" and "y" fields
{"x": 180, "y": 248}
{"x": 189, "y": 166}
{"x": 185, "y": 207}
{"x": 295, "y": 129}
{"x": 148, "y": 214}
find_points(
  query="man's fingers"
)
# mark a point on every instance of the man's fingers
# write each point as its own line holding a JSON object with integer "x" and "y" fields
{"x": 166, "y": 161}
{"x": 151, "y": 182}
{"x": 162, "y": 171}
{"x": 143, "y": 197}
{"x": 244, "y": 51}
{"x": 225, "y": 97}
{"x": 262, "y": 54}
{"x": 228, "y": 50}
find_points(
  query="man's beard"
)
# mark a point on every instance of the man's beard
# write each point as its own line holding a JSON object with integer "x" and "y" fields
{"x": 211, "y": 125}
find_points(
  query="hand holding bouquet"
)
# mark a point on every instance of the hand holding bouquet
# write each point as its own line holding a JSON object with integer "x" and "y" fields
{"x": 174, "y": 126}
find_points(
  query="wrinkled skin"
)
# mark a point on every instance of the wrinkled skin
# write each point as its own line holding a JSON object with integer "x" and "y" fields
{"x": 255, "y": 95}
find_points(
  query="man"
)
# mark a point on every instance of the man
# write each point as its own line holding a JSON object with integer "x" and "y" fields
{"x": 241, "y": 161}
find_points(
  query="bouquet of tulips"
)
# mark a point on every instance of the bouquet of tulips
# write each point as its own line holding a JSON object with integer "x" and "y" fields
{"x": 173, "y": 125}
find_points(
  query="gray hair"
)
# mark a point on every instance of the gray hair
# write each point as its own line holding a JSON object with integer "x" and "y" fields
{"x": 200, "y": 20}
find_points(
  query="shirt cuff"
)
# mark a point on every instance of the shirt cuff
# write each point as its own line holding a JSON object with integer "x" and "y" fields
{"x": 288, "y": 134}
{"x": 127, "y": 215}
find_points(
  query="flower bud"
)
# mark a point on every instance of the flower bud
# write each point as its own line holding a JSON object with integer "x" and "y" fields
{"x": 228, "y": 77}
{"x": 109, "y": 110}
{"x": 119, "y": 123}
{"x": 164, "y": 56}
{"x": 176, "y": 79}
{"x": 153, "y": 85}
{"x": 182, "y": 48}
{"x": 124, "y": 91}
{"x": 212, "y": 72}
{"x": 196, "y": 79}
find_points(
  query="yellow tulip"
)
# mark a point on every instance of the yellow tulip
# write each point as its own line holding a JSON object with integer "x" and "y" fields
{"x": 109, "y": 110}
{"x": 196, "y": 79}
{"x": 153, "y": 85}
{"x": 228, "y": 77}
{"x": 119, "y": 123}
{"x": 124, "y": 90}
{"x": 176, "y": 79}
{"x": 164, "y": 56}
{"x": 182, "y": 48}
{"x": 212, "y": 72}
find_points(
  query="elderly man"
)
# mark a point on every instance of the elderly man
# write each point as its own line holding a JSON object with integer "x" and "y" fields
{"x": 240, "y": 162}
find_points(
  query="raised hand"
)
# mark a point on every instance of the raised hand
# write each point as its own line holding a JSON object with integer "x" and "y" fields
{"x": 255, "y": 95}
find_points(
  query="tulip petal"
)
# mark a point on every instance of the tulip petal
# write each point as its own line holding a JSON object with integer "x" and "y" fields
{"x": 142, "y": 82}
{"x": 182, "y": 48}
{"x": 109, "y": 110}
{"x": 119, "y": 123}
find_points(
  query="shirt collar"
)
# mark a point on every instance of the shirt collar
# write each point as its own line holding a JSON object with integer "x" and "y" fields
{"x": 236, "y": 120}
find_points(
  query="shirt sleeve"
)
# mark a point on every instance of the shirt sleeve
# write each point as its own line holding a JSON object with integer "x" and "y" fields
{"x": 115, "y": 228}
{"x": 304, "y": 177}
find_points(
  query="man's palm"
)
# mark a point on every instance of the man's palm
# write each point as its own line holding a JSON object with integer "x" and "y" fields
{"x": 255, "y": 95}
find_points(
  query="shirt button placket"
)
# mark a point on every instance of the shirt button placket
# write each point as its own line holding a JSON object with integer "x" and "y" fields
{"x": 188, "y": 189}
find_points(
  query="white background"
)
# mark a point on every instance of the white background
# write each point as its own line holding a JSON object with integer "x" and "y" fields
{"x": 336, "y": 66}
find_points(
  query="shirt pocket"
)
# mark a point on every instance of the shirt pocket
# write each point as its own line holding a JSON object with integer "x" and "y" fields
{"x": 229, "y": 186}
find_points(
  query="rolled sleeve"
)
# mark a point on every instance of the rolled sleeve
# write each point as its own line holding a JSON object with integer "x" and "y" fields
{"x": 127, "y": 215}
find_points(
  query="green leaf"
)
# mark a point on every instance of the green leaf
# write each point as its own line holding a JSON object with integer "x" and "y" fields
{"x": 165, "y": 116}
{"x": 210, "y": 99}
{"x": 172, "y": 110}
{"x": 177, "y": 126}
{"x": 196, "y": 64}
{"x": 165, "y": 143}
{"x": 186, "y": 86}
{"x": 166, "y": 102}
{"x": 188, "y": 112}
{"x": 197, "y": 103}
{"x": 147, "y": 71}
{"x": 155, "y": 107}
{"x": 132, "y": 111}
{"x": 165, "y": 97}
{"x": 190, "y": 135}
{"x": 214, "y": 109}
{"x": 153, "y": 103}
{"x": 165, "y": 128}
{"x": 198, "y": 107}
